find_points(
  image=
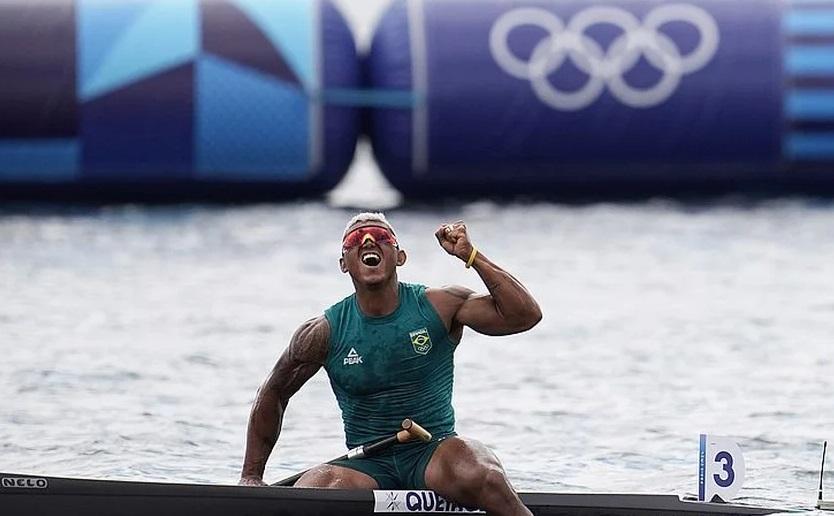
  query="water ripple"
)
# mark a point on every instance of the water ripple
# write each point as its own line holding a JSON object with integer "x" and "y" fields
{"x": 138, "y": 337}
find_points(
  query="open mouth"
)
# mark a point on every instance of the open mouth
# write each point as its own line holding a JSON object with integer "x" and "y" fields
{"x": 371, "y": 259}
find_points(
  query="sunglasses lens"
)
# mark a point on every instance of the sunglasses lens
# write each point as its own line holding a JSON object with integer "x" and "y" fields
{"x": 357, "y": 237}
{"x": 382, "y": 236}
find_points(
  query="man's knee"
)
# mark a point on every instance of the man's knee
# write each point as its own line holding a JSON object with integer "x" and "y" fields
{"x": 319, "y": 476}
{"x": 494, "y": 485}
{"x": 469, "y": 464}
{"x": 337, "y": 477}
{"x": 486, "y": 485}
{"x": 468, "y": 472}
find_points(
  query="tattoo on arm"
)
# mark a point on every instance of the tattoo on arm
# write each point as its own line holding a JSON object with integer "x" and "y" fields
{"x": 302, "y": 359}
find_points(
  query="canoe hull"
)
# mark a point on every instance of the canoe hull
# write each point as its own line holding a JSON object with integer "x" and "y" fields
{"x": 47, "y": 496}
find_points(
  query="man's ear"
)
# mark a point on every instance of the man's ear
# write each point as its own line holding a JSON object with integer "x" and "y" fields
{"x": 342, "y": 265}
{"x": 401, "y": 258}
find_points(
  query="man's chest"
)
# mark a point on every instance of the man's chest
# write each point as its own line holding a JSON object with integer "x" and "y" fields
{"x": 375, "y": 359}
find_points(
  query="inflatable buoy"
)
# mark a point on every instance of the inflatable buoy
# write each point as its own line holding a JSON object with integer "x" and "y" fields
{"x": 637, "y": 96}
{"x": 173, "y": 99}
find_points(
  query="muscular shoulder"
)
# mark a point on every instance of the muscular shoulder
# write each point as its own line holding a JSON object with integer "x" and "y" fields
{"x": 311, "y": 341}
{"x": 447, "y": 301}
{"x": 452, "y": 294}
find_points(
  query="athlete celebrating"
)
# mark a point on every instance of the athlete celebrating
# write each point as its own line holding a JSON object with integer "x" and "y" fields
{"x": 388, "y": 350}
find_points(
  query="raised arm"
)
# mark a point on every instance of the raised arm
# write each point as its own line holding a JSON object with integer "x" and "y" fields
{"x": 302, "y": 359}
{"x": 508, "y": 307}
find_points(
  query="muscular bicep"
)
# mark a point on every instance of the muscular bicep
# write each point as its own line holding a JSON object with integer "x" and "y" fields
{"x": 460, "y": 306}
{"x": 301, "y": 360}
{"x": 479, "y": 312}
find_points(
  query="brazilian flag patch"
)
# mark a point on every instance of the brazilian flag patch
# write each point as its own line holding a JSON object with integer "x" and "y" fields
{"x": 420, "y": 341}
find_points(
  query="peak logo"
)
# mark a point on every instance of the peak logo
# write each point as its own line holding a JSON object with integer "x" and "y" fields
{"x": 24, "y": 482}
{"x": 352, "y": 358}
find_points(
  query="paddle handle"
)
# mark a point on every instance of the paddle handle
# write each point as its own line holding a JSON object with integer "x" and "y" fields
{"x": 410, "y": 431}
{"x": 415, "y": 431}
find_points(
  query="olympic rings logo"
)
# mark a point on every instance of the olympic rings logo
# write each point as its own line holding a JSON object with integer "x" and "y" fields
{"x": 605, "y": 67}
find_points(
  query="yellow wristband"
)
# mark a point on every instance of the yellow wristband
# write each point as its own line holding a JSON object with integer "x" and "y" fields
{"x": 472, "y": 257}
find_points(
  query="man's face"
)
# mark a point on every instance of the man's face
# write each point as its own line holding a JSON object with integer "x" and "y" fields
{"x": 370, "y": 254}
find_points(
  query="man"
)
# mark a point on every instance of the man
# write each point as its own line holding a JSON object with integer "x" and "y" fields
{"x": 388, "y": 350}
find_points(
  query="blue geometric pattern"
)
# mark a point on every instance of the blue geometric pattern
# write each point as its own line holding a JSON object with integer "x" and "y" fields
{"x": 810, "y": 22}
{"x": 124, "y": 42}
{"x": 248, "y": 123}
{"x": 229, "y": 33}
{"x": 810, "y": 59}
{"x": 124, "y": 94}
{"x": 809, "y": 70}
{"x": 810, "y": 104}
{"x": 144, "y": 130}
{"x": 44, "y": 161}
{"x": 810, "y": 146}
{"x": 288, "y": 25}
{"x": 100, "y": 24}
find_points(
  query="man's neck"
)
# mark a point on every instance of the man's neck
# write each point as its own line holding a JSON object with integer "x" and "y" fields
{"x": 379, "y": 302}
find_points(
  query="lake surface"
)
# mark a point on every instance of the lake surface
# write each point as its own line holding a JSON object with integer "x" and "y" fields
{"x": 133, "y": 339}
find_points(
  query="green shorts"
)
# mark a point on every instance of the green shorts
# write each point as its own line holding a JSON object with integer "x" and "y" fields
{"x": 403, "y": 466}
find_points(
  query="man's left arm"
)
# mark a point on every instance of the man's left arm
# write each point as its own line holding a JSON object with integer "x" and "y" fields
{"x": 508, "y": 307}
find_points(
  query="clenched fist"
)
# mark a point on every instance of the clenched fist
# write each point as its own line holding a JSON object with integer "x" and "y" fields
{"x": 455, "y": 240}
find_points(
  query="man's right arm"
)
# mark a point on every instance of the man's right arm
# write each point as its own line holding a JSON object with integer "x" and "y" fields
{"x": 302, "y": 359}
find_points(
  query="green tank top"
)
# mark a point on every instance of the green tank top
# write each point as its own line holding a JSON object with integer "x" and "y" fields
{"x": 386, "y": 369}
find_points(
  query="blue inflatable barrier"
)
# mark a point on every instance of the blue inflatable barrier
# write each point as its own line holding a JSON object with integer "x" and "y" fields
{"x": 172, "y": 99}
{"x": 622, "y": 96}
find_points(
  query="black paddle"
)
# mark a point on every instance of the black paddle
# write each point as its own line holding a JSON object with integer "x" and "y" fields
{"x": 410, "y": 431}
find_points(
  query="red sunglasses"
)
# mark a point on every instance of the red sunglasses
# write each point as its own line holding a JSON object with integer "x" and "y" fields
{"x": 376, "y": 234}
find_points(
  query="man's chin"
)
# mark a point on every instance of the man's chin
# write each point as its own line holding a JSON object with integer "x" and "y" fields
{"x": 373, "y": 280}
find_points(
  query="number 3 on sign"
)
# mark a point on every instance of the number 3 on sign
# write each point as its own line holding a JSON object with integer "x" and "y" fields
{"x": 721, "y": 469}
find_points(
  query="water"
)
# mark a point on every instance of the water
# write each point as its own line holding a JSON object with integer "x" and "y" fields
{"x": 134, "y": 339}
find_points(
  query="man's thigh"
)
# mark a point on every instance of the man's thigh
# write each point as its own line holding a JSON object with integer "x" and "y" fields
{"x": 466, "y": 471}
{"x": 459, "y": 459}
{"x": 330, "y": 475}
